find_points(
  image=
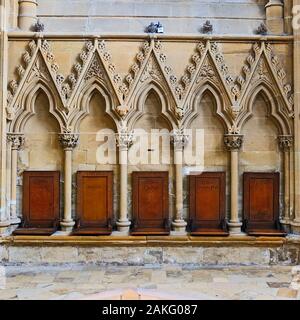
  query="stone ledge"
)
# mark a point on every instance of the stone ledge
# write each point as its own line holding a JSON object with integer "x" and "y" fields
{"x": 169, "y": 241}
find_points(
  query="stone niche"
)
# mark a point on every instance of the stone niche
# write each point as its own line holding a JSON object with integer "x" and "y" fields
{"x": 97, "y": 131}
{"x": 153, "y": 157}
{"x": 42, "y": 150}
{"x": 214, "y": 157}
{"x": 260, "y": 151}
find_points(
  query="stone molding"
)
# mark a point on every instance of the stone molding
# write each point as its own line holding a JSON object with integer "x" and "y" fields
{"x": 207, "y": 68}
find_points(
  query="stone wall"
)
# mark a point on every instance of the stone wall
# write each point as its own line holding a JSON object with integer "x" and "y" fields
{"x": 177, "y": 16}
{"x": 186, "y": 255}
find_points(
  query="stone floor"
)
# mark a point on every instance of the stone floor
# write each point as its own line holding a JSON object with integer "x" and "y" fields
{"x": 167, "y": 282}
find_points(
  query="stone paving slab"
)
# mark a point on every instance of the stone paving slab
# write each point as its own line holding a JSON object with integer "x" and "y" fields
{"x": 84, "y": 282}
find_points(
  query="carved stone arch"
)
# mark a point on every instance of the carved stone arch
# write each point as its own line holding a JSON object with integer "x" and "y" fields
{"x": 27, "y": 101}
{"x": 139, "y": 102}
{"x": 83, "y": 105}
{"x": 219, "y": 105}
{"x": 273, "y": 108}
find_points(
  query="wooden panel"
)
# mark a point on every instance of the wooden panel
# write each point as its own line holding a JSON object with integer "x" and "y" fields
{"x": 261, "y": 203}
{"x": 207, "y": 203}
{"x": 94, "y": 200}
{"x": 40, "y": 199}
{"x": 150, "y": 202}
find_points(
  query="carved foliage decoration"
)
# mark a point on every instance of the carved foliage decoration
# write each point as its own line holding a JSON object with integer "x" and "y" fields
{"x": 207, "y": 63}
{"x": 38, "y": 65}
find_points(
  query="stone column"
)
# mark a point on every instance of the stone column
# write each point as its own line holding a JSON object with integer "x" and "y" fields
{"x": 69, "y": 141}
{"x": 4, "y": 216}
{"x": 27, "y": 14}
{"x": 296, "y": 223}
{"x": 179, "y": 140}
{"x": 124, "y": 140}
{"x": 274, "y": 16}
{"x": 285, "y": 144}
{"x": 233, "y": 143}
{"x": 288, "y": 5}
{"x": 17, "y": 141}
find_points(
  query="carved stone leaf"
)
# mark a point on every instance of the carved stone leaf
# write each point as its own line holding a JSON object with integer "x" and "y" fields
{"x": 95, "y": 70}
{"x": 152, "y": 71}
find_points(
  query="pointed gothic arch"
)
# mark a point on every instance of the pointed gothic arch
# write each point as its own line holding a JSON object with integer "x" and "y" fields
{"x": 273, "y": 107}
{"x": 219, "y": 104}
{"x": 140, "y": 99}
{"x": 27, "y": 102}
{"x": 83, "y": 103}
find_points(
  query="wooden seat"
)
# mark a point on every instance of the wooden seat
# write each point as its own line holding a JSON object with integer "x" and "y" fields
{"x": 261, "y": 204}
{"x": 94, "y": 203}
{"x": 150, "y": 203}
{"x": 40, "y": 203}
{"x": 207, "y": 204}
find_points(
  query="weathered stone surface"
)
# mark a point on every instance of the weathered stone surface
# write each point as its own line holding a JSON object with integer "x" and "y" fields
{"x": 140, "y": 256}
{"x": 3, "y": 253}
{"x": 59, "y": 254}
{"x": 26, "y": 255}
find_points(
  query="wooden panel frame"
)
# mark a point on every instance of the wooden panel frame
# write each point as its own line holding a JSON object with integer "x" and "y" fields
{"x": 162, "y": 228}
{"x": 94, "y": 227}
{"x": 208, "y": 227}
{"x": 43, "y": 226}
{"x": 263, "y": 227}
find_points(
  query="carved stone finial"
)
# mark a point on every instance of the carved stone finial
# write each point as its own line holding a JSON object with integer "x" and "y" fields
{"x": 207, "y": 27}
{"x": 124, "y": 138}
{"x": 233, "y": 141}
{"x": 155, "y": 28}
{"x": 39, "y": 26}
{"x": 285, "y": 142}
{"x": 17, "y": 140}
{"x": 69, "y": 141}
{"x": 179, "y": 139}
{"x": 262, "y": 29}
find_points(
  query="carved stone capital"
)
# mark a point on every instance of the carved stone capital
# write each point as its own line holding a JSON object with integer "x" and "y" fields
{"x": 17, "y": 140}
{"x": 179, "y": 139}
{"x": 69, "y": 141}
{"x": 124, "y": 138}
{"x": 285, "y": 142}
{"x": 233, "y": 141}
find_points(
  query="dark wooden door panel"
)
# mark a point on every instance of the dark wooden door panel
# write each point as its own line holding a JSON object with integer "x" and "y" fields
{"x": 94, "y": 201}
{"x": 41, "y": 198}
{"x": 261, "y": 203}
{"x": 150, "y": 202}
{"x": 261, "y": 199}
{"x": 41, "y": 195}
{"x": 207, "y": 203}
